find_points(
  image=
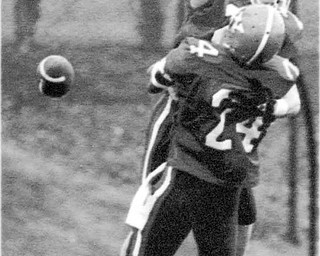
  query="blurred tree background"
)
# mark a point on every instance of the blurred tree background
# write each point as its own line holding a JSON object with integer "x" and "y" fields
{"x": 70, "y": 166}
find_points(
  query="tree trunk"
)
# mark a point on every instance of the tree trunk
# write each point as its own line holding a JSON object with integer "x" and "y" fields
{"x": 180, "y": 13}
{"x": 292, "y": 233}
{"x": 312, "y": 157}
{"x": 150, "y": 25}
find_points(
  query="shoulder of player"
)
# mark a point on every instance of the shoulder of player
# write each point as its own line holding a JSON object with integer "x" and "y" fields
{"x": 198, "y": 48}
{"x": 197, "y": 56}
{"x": 272, "y": 80}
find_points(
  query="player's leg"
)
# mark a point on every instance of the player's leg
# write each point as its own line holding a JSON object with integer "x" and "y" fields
{"x": 246, "y": 218}
{"x": 215, "y": 220}
{"x": 243, "y": 237}
{"x": 161, "y": 222}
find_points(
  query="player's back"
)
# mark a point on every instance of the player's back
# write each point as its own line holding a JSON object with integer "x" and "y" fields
{"x": 205, "y": 142}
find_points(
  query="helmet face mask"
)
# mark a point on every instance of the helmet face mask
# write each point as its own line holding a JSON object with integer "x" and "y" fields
{"x": 255, "y": 34}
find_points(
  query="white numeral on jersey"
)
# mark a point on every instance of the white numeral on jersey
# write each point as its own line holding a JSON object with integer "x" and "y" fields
{"x": 250, "y": 133}
{"x": 203, "y": 48}
{"x": 211, "y": 138}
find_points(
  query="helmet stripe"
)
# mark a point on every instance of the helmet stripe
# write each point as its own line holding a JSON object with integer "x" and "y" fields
{"x": 265, "y": 38}
{"x": 47, "y": 77}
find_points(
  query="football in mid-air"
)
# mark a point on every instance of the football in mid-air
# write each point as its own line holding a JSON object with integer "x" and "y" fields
{"x": 56, "y": 76}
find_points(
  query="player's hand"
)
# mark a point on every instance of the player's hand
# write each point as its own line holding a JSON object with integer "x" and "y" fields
{"x": 159, "y": 80}
{"x": 268, "y": 111}
{"x": 278, "y": 108}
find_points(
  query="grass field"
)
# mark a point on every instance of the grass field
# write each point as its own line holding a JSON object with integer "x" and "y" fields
{"x": 70, "y": 167}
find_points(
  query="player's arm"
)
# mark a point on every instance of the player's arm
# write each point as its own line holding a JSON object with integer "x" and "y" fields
{"x": 283, "y": 66}
{"x": 173, "y": 63}
{"x": 159, "y": 80}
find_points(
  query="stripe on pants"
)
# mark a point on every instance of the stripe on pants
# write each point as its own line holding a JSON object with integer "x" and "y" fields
{"x": 157, "y": 197}
{"x": 154, "y": 134}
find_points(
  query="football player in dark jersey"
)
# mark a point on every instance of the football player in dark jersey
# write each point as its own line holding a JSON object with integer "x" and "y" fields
{"x": 219, "y": 120}
{"x": 161, "y": 121}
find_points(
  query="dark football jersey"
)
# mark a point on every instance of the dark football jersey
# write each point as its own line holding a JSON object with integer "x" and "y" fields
{"x": 217, "y": 126}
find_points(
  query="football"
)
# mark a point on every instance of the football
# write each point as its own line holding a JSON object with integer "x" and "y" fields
{"x": 56, "y": 76}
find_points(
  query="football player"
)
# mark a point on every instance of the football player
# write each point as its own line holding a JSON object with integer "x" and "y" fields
{"x": 220, "y": 118}
{"x": 161, "y": 121}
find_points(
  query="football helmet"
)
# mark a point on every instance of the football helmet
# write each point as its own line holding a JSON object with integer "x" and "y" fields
{"x": 255, "y": 34}
{"x": 293, "y": 27}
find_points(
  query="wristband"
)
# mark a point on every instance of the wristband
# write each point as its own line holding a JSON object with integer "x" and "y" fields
{"x": 281, "y": 108}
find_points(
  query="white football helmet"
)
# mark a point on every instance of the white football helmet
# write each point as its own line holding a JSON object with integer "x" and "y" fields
{"x": 255, "y": 34}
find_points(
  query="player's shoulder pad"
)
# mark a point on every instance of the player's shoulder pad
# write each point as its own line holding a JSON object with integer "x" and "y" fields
{"x": 193, "y": 56}
{"x": 205, "y": 50}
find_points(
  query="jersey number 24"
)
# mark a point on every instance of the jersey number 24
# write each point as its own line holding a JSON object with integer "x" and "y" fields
{"x": 250, "y": 133}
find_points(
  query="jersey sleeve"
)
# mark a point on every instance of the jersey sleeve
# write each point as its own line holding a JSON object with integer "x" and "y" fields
{"x": 272, "y": 80}
{"x": 283, "y": 66}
